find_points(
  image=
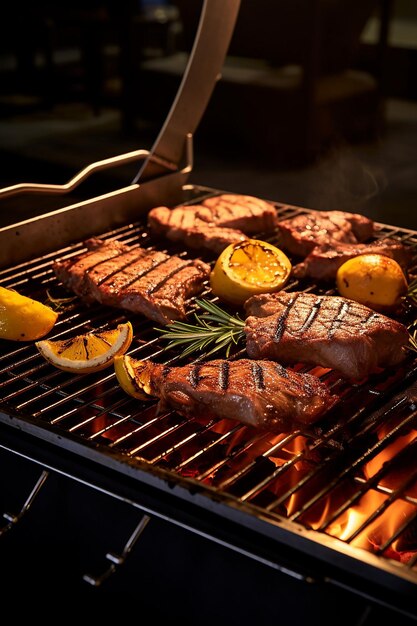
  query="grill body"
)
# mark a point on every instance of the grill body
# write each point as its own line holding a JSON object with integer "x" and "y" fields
{"x": 260, "y": 494}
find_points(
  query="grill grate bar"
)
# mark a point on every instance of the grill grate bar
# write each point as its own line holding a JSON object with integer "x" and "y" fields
{"x": 202, "y": 476}
{"x": 134, "y": 431}
{"x": 385, "y": 490}
{"x": 214, "y": 468}
{"x": 112, "y": 426}
{"x": 383, "y": 507}
{"x": 408, "y": 523}
{"x": 158, "y": 437}
{"x": 65, "y": 399}
{"x": 184, "y": 441}
{"x": 314, "y": 472}
{"x": 369, "y": 454}
{"x": 273, "y": 449}
{"x": 102, "y": 411}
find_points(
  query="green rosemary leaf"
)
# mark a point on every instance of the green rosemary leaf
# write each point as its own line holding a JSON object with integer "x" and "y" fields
{"x": 57, "y": 303}
{"x": 214, "y": 328}
{"x": 412, "y": 339}
{"x": 412, "y": 290}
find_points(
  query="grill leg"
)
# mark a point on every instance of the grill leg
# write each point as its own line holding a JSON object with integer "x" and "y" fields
{"x": 14, "y": 519}
{"x": 118, "y": 559}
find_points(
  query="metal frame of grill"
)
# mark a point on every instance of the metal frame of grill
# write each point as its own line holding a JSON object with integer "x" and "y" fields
{"x": 219, "y": 480}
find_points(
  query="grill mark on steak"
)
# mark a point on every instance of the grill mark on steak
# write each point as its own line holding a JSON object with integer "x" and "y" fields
{"x": 281, "y": 370}
{"x": 105, "y": 277}
{"x": 155, "y": 262}
{"x": 312, "y": 316}
{"x": 165, "y": 371}
{"x": 273, "y": 399}
{"x": 258, "y": 375}
{"x": 337, "y": 321}
{"x": 280, "y": 328}
{"x": 216, "y": 223}
{"x": 224, "y": 376}
{"x": 344, "y": 335}
{"x": 143, "y": 281}
{"x": 195, "y": 375}
{"x": 172, "y": 273}
{"x": 302, "y": 233}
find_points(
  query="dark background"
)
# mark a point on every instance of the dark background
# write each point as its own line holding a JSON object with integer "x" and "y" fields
{"x": 317, "y": 105}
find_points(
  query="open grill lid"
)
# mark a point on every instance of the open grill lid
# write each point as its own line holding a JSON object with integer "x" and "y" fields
{"x": 292, "y": 501}
{"x": 164, "y": 170}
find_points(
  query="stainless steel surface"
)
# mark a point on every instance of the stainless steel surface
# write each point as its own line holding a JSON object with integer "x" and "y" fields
{"x": 204, "y": 66}
{"x": 21, "y": 242}
{"x": 99, "y": 166}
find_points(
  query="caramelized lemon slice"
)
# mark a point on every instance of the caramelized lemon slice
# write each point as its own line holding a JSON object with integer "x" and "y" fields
{"x": 87, "y": 353}
{"x": 374, "y": 280}
{"x": 249, "y": 267}
{"x": 133, "y": 377}
{"x": 24, "y": 319}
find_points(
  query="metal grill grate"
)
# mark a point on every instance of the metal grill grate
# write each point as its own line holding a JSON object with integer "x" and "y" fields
{"x": 312, "y": 477}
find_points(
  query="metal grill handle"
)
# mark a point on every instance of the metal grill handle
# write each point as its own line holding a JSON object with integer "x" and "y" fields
{"x": 118, "y": 559}
{"x": 215, "y": 30}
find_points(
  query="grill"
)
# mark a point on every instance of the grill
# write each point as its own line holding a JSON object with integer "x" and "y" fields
{"x": 337, "y": 501}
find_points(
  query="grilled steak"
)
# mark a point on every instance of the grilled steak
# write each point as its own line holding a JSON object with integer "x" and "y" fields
{"x": 258, "y": 393}
{"x": 330, "y": 331}
{"x": 324, "y": 260}
{"x": 216, "y": 223}
{"x": 185, "y": 225}
{"x": 73, "y": 272}
{"x": 302, "y": 233}
{"x": 246, "y": 213}
{"x": 143, "y": 281}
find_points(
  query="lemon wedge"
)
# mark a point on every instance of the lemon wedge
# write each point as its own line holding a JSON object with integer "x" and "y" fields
{"x": 133, "y": 377}
{"x": 247, "y": 268}
{"x": 24, "y": 319}
{"x": 87, "y": 353}
{"x": 374, "y": 280}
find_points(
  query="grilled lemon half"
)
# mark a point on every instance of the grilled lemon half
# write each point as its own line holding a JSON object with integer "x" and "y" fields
{"x": 24, "y": 319}
{"x": 91, "y": 352}
{"x": 374, "y": 280}
{"x": 133, "y": 377}
{"x": 247, "y": 268}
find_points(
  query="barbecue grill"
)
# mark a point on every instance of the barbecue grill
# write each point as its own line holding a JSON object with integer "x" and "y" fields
{"x": 336, "y": 502}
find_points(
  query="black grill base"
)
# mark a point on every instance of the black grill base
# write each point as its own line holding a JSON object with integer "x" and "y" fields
{"x": 171, "y": 573}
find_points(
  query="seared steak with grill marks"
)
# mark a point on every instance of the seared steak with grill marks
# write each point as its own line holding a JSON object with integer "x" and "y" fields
{"x": 330, "y": 331}
{"x": 324, "y": 260}
{"x": 304, "y": 232}
{"x": 129, "y": 277}
{"x": 258, "y": 393}
{"x": 73, "y": 272}
{"x": 216, "y": 223}
{"x": 247, "y": 213}
{"x": 185, "y": 225}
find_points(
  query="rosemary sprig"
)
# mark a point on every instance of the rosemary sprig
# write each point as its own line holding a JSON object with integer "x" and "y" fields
{"x": 412, "y": 290}
{"x": 412, "y": 340}
{"x": 57, "y": 303}
{"x": 215, "y": 327}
